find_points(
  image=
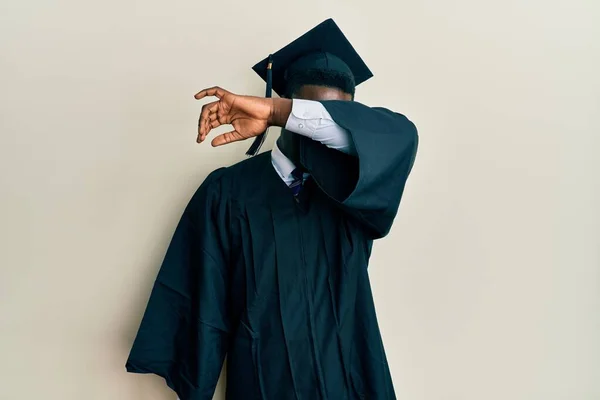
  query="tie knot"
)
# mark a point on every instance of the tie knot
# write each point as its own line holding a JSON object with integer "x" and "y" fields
{"x": 296, "y": 185}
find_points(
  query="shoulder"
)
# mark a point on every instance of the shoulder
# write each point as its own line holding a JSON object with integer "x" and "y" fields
{"x": 236, "y": 181}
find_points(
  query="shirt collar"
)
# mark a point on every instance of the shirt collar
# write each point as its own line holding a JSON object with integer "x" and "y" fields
{"x": 283, "y": 165}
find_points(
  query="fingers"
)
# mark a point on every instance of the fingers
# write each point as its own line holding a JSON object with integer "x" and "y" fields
{"x": 213, "y": 91}
{"x": 207, "y": 119}
{"x": 227, "y": 138}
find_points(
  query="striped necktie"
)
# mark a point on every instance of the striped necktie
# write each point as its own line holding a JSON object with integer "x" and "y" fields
{"x": 296, "y": 184}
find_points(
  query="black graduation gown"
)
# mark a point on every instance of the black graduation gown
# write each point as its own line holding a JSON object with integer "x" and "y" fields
{"x": 279, "y": 284}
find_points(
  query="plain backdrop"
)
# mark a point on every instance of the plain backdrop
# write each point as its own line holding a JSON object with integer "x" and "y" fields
{"x": 488, "y": 287}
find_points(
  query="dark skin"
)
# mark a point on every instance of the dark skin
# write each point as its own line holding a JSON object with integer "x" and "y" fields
{"x": 250, "y": 116}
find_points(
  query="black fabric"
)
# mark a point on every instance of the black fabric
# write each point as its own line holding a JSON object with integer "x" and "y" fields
{"x": 186, "y": 328}
{"x": 324, "y": 48}
{"x": 369, "y": 186}
{"x": 280, "y": 283}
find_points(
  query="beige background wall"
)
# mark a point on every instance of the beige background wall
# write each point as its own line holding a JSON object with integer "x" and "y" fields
{"x": 488, "y": 287}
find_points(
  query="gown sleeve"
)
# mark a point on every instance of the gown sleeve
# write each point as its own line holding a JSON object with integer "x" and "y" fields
{"x": 369, "y": 186}
{"x": 184, "y": 331}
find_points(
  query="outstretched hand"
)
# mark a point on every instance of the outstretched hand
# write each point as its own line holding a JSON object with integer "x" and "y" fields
{"x": 250, "y": 116}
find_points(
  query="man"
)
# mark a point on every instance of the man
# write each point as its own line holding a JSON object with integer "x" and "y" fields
{"x": 269, "y": 262}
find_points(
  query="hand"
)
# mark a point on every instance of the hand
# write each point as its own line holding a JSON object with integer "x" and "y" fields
{"x": 249, "y": 116}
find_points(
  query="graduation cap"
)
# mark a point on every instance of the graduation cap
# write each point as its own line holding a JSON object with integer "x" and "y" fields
{"x": 323, "y": 48}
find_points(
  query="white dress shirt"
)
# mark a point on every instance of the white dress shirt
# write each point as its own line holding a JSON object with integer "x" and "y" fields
{"x": 311, "y": 119}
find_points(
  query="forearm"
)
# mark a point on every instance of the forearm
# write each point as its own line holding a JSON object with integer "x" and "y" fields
{"x": 280, "y": 112}
{"x": 310, "y": 119}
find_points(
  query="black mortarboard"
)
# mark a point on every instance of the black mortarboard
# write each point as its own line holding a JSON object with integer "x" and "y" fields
{"x": 322, "y": 48}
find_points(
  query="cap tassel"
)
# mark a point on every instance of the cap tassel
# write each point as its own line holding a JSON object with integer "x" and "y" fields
{"x": 260, "y": 139}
